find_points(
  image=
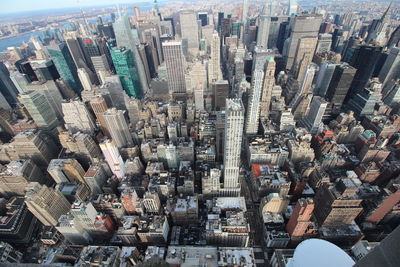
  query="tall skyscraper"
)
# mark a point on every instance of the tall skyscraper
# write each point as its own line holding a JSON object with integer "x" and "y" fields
{"x": 315, "y": 114}
{"x": 126, "y": 38}
{"x": 253, "y": 107}
{"x": 7, "y": 87}
{"x": 301, "y": 26}
{"x": 77, "y": 117}
{"x": 292, "y": 8}
{"x": 190, "y": 30}
{"x": 377, "y": 29}
{"x": 66, "y": 171}
{"x": 263, "y": 30}
{"x": 244, "y": 11}
{"x": 46, "y": 204}
{"x": 214, "y": 67}
{"x": 117, "y": 127}
{"x": 62, "y": 58}
{"x": 174, "y": 61}
{"x": 113, "y": 158}
{"x": 303, "y": 56}
{"x": 127, "y": 71}
{"x": 99, "y": 106}
{"x": 391, "y": 68}
{"x": 268, "y": 87}
{"x": 40, "y": 110}
{"x": 85, "y": 79}
{"x": 234, "y": 121}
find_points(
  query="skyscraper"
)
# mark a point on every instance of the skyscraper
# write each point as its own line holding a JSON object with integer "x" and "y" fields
{"x": 117, "y": 127}
{"x": 315, "y": 114}
{"x": 66, "y": 171}
{"x": 234, "y": 121}
{"x": 174, "y": 61}
{"x": 253, "y": 107}
{"x": 268, "y": 86}
{"x": 40, "y": 110}
{"x": 214, "y": 68}
{"x": 7, "y": 87}
{"x": 77, "y": 117}
{"x": 244, "y": 11}
{"x": 126, "y": 70}
{"x": 46, "y": 204}
{"x": 190, "y": 30}
{"x": 391, "y": 68}
{"x": 292, "y": 8}
{"x": 62, "y": 58}
{"x": 263, "y": 30}
{"x": 125, "y": 38}
{"x": 113, "y": 158}
{"x": 99, "y": 106}
{"x": 302, "y": 26}
{"x": 85, "y": 79}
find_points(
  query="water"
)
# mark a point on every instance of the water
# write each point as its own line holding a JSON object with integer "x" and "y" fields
{"x": 17, "y": 41}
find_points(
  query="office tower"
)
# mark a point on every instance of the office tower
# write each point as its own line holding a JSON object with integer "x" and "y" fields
{"x": 244, "y": 12}
{"x": 234, "y": 121}
{"x": 125, "y": 38}
{"x": 72, "y": 230}
{"x": 3, "y": 103}
{"x": 303, "y": 26}
{"x": 117, "y": 127}
{"x": 394, "y": 39}
{"x": 364, "y": 60}
{"x": 20, "y": 81}
{"x": 62, "y": 58}
{"x": 151, "y": 202}
{"x": 174, "y": 61}
{"x": 339, "y": 85}
{"x": 203, "y": 17}
{"x": 66, "y": 171}
{"x": 26, "y": 68}
{"x": 190, "y": 30}
{"x": 127, "y": 71}
{"x": 324, "y": 78}
{"x": 334, "y": 207}
{"x": 292, "y": 8}
{"x": 113, "y": 92}
{"x": 324, "y": 42}
{"x": 76, "y": 52}
{"x": 196, "y": 81}
{"x": 38, "y": 147}
{"x": 84, "y": 78}
{"x": 46, "y": 204}
{"x": 90, "y": 48}
{"x": 221, "y": 93}
{"x": 378, "y": 28}
{"x": 99, "y": 106}
{"x": 253, "y": 107}
{"x": 40, "y": 110}
{"x": 113, "y": 158}
{"x": 264, "y": 23}
{"x": 391, "y": 68}
{"x": 313, "y": 120}
{"x": 100, "y": 64}
{"x": 268, "y": 86}
{"x": 16, "y": 175}
{"x": 305, "y": 84}
{"x": 81, "y": 145}
{"x": 45, "y": 70}
{"x": 363, "y": 103}
{"x": 385, "y": 253}
{"x": 393, "y": 95}
{"x": 303, "y": 56}
{"x": 7, "y": 87}
{"x": 77, "y": 117}
{"x": 300, "y": 220}
{"x": 214, "y": 68}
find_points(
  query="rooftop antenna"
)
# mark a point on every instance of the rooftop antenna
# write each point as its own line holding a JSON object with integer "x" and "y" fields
{"x": 84, "y": 18}
{"x": 157, "y": 9}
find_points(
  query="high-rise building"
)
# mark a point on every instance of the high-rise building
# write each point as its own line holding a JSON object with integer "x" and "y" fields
{"x": 253, "y": 108}
{"x": 125, "y": 38}
{"x": 214, "y": 68}
{"x": 313, "y": 120}
{"x": 7, "y": 87}
{"x": 99, "y": 106}
{"x": 203, "y": 17}
{"x": 363, "y": 103}
{"x": 303, "y": 56}
{"x": 46, "y": 204}
{"x": 234, "y": 121}
{"x": 174, "y": 61}
{"x": 62, "y": 58}
{"x": 151, "y": 203}
{"x": 85, "y": 79}
{"x": 117, "y": 127}
{"x": 36, "y": 146}
{"x": 263, "y": 30}
{"x": 127, "y": 71}
{"x": 324, "y": 78}
{"x": 268, "y": 87}
{"x": 378, "y": 28}
{"x": 324, "y": 42}
{"x": 113, "y": 158}
{"x": 77, "y": 117}
{"x": 66, "y": 171}
{"x": 221, "y": 93}
{"x": 190, "y": 30}
{"x": 300, "y": 220}
{"x": 391, "y": 68}
{"x": 302, "y": 26}
{"x": 244, "y": 12}
{"x": 40, "y": 110}
{"x": 292, "y": 8}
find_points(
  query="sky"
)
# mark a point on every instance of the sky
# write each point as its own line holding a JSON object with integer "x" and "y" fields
{"x": 14, "y": 6}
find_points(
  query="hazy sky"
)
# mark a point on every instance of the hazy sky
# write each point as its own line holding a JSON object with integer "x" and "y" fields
{"x": 12, "y": 6}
